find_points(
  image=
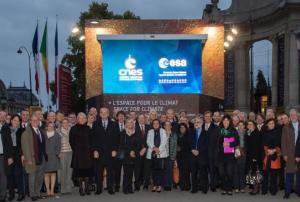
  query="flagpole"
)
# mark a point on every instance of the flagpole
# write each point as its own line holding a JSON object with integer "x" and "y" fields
{"x": 38, "y": 70}
{"x": 47, "y": 64}
{"x": 56, "y": 66}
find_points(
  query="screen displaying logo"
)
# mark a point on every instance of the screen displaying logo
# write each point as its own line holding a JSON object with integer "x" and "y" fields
{"x": 152, "y": 66}
{"x": 130, "y": 73}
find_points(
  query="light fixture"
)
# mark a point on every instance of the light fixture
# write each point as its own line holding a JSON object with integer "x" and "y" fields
{"x": 75, "y": 30}
{"x": 234, "y": 31}
{"x": 229, "y": 38}
{"x": 81, "y": 38}
{"x": 226, "y": 44}
{"x": 94, "y": 22}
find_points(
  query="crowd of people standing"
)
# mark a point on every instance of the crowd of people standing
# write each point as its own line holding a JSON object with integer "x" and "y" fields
{"x": 45, "y": 154}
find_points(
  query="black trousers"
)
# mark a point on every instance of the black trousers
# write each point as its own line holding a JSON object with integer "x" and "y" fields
{"x": 99, "y": 171}
{"x": 226, "y": 173}
{"x": 127, "y": 177}
{"x": 15, "y": 179}
{"x": 117, "y": 166}
{"x": 139, "y": 166}
{"x": 270, "y": 179}
{"x": 147, "y": 171}
{"x": 199, "y": 174}
{"x": 213, "y": 174}
{"x": 184, "y": 173}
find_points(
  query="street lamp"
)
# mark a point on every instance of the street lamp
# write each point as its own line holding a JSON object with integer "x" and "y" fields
{"x": 29, "y": 67}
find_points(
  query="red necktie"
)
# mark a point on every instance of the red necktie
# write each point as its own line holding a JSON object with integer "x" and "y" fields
{"x": 143, "y": 132}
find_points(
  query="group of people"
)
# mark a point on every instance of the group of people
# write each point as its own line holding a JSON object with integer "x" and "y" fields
{"x": 53, "y": 152}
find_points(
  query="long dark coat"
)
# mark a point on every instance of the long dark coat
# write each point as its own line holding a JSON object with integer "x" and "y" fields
{"x": 80, "y": 141}
{"x": 288, "y": 144}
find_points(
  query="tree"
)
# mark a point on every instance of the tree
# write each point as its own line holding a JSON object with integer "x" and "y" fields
{"x": 75, "y": 59}
{"x": 261, "y": 89}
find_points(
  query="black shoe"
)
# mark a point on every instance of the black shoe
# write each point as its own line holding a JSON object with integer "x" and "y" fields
{"x": 11, "y": 197}
{"x": 194, "y": 191}
{"x": 167, "y": 188}
{"x": 263, "y": 193}
{"x": 286, "y": 196}
{"x": 213, "y": 189}
{"x": 111, "y": 192}
{"x": 21, "y": 197}
{"x": 145, "y": 187}
{"x": 136, "y": 188}
{"x": 117, "y": 189}
{"x": 204, "y": 192}
{"x": 98, "y": 192}
{"x": 223, "y": 192}
{"x": 34, "y": 198}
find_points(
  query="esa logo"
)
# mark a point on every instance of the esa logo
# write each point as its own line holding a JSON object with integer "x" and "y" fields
{"x": 165, "y": 63}
{"x": 130, "y": 72}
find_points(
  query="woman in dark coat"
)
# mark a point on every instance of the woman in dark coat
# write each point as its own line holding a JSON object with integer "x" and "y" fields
{"x": 183, "y": 152}
{"x": 228, "y": 140}
{"x": 80, "y": 141}
{"x": 254, "y": 152}
{"x": 271, "y": 162}
{"x": 15, "y": 170}
{"x": 129, "y": 144}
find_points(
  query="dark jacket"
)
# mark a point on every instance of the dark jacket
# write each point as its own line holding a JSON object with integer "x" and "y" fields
{"x": 17, "y": 150}
{"x": 128, "y": 144}
{"x": 7, "y": 146}
{"x": 80, "y": 142}
{"x": 105, "y": 141}
{"x": 253, "y": 148}
{"x": 212, "y": 142}
{"x": 183, "y": 148}
{"x": 201, "y": 145}
{"x": 232, "y": 132}
{"x": 143, "y": 140}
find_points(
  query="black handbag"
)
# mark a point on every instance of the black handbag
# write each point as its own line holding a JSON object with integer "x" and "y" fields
{"x": 158, "y": 163}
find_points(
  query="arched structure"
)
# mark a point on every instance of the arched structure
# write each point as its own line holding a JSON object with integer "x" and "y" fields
{"x": 274, "y": 20}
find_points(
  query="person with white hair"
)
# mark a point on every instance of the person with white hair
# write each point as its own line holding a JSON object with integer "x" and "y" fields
{"x": 289, "y": 138}
{"x": 80, "y": 142}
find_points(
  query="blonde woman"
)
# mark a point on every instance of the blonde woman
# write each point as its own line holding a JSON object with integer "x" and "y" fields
{"x": 65, "y": 157}
{"x": 80, "y": 141}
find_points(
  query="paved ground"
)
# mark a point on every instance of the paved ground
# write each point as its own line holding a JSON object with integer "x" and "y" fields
{"x": 174, "y": 196}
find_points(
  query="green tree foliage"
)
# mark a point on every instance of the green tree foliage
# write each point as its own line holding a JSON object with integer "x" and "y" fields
{"x": 76, "y": 58}
{"x": 261, "y": 84}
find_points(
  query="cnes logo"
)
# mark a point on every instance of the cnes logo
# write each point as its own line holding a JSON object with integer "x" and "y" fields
{"x": 130, "y": 72}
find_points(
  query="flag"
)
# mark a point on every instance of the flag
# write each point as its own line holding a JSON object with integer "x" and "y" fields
{"x": 44, "y": 54}
{"x": 35, "y": 51}
{"x": 56, "y": 61}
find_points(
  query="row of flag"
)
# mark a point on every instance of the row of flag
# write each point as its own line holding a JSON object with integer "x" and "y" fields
{"x": 43, "y": 52}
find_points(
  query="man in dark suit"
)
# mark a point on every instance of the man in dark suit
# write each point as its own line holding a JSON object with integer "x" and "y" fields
{"x": 198, "y": 143}
{"x": 212, "y": 132}
{"x": 6, "y": 156}
{"x": 173, "y": 120}
{"x": 118, "y": 128}
{"x": 140, "y": 170}
{"x": 104, "y": 148}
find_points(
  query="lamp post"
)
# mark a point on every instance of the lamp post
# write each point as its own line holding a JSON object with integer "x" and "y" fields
{"x": 29, "y": 68}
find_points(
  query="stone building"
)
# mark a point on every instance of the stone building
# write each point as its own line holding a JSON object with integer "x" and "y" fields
{"x": 14, "y": 99}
